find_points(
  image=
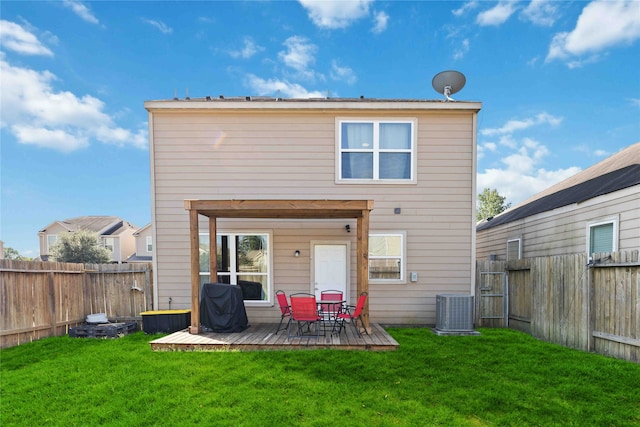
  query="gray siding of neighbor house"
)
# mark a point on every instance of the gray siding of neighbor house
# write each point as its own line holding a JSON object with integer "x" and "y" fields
{"x": 265, "y": 154}
{"x": 564, "y": 230}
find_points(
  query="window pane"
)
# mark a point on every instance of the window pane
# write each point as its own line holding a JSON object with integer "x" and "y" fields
{"x": 601, "y": 238}
{"x": 385, "y": 246}
{"x": 395, "y": 166}
{"x": 223, "y": 260}
{"x": 395, "y": 135}
{"x": 223, "y": 254}
{"x": 357, "y": 165}
{"x": 357, "y": 136}
{"x": 513, "y": 250}
{"x": 251, "y": 254}
{"x": 253, "y": 287}
{"x": 204, "y": 255}
{"x": 384, "y": 268}
{"x": 204, "y": 278}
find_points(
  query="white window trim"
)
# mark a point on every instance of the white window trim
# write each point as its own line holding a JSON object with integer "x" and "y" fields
{"x": 519, "y": 240}
{"x": 149, "y": 243}
{"x": 403, "y": 258}
{"x": 413, "y": 150}
{"x": 269, "y": 302}
{"x": 615, "y": 219}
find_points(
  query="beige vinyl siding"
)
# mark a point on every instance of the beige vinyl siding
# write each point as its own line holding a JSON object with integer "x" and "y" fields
{"x": 141, "y": 242}
{"x": 291, "y": 155}
{"x": 564, "y": 230}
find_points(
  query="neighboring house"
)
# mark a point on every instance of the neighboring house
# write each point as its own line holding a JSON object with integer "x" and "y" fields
{"x": 596, "y": 210}
{"x": 114, "y": 233}
{"x": 144, "y": 245}
{"x": 413, "y": 161}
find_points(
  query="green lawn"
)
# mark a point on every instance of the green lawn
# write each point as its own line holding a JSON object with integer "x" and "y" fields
{"x": 502, "y": 377}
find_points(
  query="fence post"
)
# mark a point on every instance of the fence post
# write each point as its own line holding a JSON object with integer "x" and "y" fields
{"x": 591, "y": 307}
{"x": 52, "y": 301}
{"x": 148, "y": 289}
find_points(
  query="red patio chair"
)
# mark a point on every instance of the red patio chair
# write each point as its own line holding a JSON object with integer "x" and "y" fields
{"x": 304, "y": 312}
{"x": 353, "y": 317}
{"x": 285, "y": 309}
{"x": 330, "y": 311}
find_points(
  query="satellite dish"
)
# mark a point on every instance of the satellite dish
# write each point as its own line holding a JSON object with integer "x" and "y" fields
{"x": 448, "y": 83}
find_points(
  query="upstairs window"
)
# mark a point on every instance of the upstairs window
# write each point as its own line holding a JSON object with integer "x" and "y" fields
{"x": 602, "y": 236}
{"x": 52, "y": 239}
{"x": 149, "y": 244}
{"x": 108, "y": 243}
{"x": 376, "y": 151}
{"x": 514, "y": 249}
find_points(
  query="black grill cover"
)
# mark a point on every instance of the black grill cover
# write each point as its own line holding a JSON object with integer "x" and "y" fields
{"x": 222, "y": 308}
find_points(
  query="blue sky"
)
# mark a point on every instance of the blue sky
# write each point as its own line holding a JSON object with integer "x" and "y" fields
{"x": 558, "y": 80}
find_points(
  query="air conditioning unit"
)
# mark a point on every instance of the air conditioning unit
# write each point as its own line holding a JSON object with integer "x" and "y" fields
{"x": 454, "y": 313}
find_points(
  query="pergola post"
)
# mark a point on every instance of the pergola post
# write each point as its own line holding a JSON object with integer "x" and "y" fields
{"x": 362, "y": 263}
{"x": 195, "y": 271}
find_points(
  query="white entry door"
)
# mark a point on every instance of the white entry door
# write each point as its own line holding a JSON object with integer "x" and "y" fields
{"x": 331, "y": 270}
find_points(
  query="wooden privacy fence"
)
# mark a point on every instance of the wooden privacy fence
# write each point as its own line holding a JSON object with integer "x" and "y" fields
{"x": 567, "y": 299}
{"x": 43, "y": 299}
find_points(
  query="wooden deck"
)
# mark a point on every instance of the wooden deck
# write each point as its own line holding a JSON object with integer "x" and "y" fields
{"x": 263, "y": 337}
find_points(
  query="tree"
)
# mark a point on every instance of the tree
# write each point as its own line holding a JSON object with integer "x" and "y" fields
{"x": 490, "y": 204}
{"x": 82, "y": 247}
{"x": 10, "y": 253}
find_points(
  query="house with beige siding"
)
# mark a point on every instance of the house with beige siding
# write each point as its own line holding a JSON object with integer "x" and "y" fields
{"x": 597, "y": 210}
{"x": 305, "y": 195}
{"x": 114, "y": 233}
{"x": 144, "y": 245}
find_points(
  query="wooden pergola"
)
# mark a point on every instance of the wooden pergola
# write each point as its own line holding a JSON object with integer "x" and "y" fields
{"x": 289, "y": 209}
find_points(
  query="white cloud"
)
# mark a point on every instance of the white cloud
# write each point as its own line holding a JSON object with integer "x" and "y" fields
{"x": 461, "y": 50}
{"x": 333, "y": 14}
{"x": 81, "y": 10}
{"x": 516, "y": 185}
{"x": 16, "y": 38}
{"x": 540, "y": 12}
{"x": 522, "y": 175}
{"x": 249, "y": 49}
{"x": 283, "y": 87}
{"x": 602, "y": 24}
{"x": 35, "y": 113}
{"x": 517, "y": 125}
{"x": 470, "y": 5}
{"x": 164, "y": 28}
{"x": 299, "y": 55}
{"x": 497, "y": 15}
{"x": 634, "y": 101}
{"x": 344, "y": 74}
{"x": 380, "y": 19}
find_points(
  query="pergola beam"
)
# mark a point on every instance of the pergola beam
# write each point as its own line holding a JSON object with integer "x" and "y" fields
{"x": 269, "y": 209}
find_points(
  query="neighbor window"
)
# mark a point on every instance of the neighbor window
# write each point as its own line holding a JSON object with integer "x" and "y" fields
{"x": 149, "y": 244}
{"x": 386, "y": 257}
{"x": 242, "y": 259}
{"x": 108, "y": 243}
{"x": 602, "y": 236}
{"x": 376, "y": 150}
{"x": 52, "y": 239}
{"x": 514, "y": 249}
